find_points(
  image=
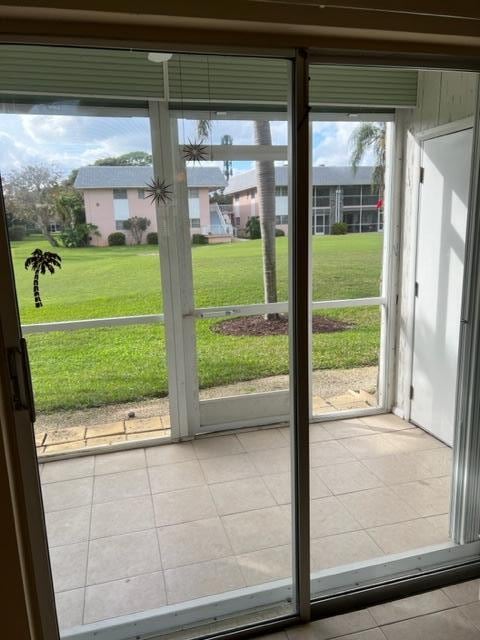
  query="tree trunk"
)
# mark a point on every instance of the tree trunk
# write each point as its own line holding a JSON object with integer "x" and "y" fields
{"x": 265, "y": 170}
{"x": 36, "y": 291}
{"x": 48, "y": 236}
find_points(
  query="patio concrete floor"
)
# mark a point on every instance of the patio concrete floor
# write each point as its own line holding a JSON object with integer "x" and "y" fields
{"x": 63, "y": 432}
{"x": 136, "y": 530}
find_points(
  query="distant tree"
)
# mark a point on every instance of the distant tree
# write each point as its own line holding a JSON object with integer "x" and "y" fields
{"x": 40, "y": 262}
{"x": 365, "y": 137}
{"x": 137, "y": 225}
{"x": 72, "y": 176}
{"x": 132, "y": 159}
{"x": 70, "y": 205}
{"x": 30, "y": 195}
{"x": 220, "y": 198}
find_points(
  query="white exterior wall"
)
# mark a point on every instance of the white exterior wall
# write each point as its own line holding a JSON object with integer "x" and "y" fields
{"x": 442, "y": 98}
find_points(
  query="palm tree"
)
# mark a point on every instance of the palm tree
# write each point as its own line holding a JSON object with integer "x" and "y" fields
{"x": 370, "y": 135}
{"x": 40, "y": 262}
{"x": 265, "y": 170}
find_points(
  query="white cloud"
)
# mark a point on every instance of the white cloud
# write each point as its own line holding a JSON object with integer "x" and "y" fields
{"x": 43, "y": 129}
{"x": 69, "y": 142}
{"x": 331, "y": 144}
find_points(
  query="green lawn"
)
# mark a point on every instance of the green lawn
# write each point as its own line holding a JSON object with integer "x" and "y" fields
{"x": 98, "y": 366}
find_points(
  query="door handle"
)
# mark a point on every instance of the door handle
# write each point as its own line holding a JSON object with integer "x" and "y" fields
{"x": 216, "y": 314}
{"x": 21, "y": 378}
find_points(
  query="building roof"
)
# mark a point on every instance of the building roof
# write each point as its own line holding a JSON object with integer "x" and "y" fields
{"x": 321, "y": 176}
{"x": 98, "y": 177}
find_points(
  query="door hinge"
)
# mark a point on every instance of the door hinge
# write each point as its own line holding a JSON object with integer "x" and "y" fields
{"x": 411, "y": 393}
{"x": 416, "y": 289}
{"x": 422, "y": 174}
{"x": 21, "y": 379}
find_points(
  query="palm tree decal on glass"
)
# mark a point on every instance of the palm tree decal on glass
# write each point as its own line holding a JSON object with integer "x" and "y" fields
{"x": 40, "y": 262}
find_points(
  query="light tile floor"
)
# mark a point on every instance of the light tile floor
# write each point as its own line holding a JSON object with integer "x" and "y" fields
{"x": 135, "y": 530}
{"x": 452, "y": 613}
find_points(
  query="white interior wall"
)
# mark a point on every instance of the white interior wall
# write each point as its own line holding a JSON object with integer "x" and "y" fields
{"x": 443, "y": 98}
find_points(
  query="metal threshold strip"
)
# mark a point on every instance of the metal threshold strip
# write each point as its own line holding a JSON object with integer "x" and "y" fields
{"x": 391, "y": 577}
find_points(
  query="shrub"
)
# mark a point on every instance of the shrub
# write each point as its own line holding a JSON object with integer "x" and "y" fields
{"x": 339, "y": 228}
{"x": 199, "y": 238}
{"x": 116, "y": 239}
{"x": 17, "y": 232}
{"x": 152, "y": 237}
{"x": 253, "y": 228}
{"x": 79, "y": 235}
{"x": 279, "y": 233}
{"x": 137, "y": 225}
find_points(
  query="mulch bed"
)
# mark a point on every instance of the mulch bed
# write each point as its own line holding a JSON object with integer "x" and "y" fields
{"x": 260, "y": 326}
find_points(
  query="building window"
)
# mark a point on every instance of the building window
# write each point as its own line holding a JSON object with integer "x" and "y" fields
{"x": 352, "y": 195}
{"x": 120, "y": 208}
{"x": 369, "y": 196}
{"x": 281, "y": 191}
{"x": 370, "y": 220}
{"x": 194, "y": 204}
{"x": 281, "y": 219}
{"x": 321, "y": 196}
{"x": 352, "y": 218}
{"x": 141, "y": 194}
{"x": 195, "y": 223}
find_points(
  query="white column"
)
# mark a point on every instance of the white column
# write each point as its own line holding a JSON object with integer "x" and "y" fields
{"x": 176, "y": 271}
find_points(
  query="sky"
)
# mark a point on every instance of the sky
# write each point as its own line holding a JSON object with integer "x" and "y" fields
{"x": 69, "y": 142}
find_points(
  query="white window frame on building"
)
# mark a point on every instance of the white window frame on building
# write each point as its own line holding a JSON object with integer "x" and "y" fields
{"x": 121, "y": 210}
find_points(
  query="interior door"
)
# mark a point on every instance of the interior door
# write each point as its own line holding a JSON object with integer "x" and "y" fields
{"x": 442, "y": 221}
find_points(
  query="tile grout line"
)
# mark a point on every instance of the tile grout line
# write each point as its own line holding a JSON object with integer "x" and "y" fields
{"x": 156, "y": 530}
{"x": 425, "y": 615}
{"x": 88, "y": 544}
{"x": 227, "y": 537}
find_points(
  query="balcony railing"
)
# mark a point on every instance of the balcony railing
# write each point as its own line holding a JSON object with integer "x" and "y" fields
{"x": 217, "y": 230}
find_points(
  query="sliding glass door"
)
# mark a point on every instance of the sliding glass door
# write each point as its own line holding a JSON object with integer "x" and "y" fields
{"x": 170, "y": 533}
{"x": 289, "y": 238}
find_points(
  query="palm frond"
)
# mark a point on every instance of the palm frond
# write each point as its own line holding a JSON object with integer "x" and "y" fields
{"x": 204, "y": 128}
{"x": 369, "y": 136}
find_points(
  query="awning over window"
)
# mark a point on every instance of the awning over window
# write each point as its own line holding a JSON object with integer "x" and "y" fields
{"x": 189, "y": 79}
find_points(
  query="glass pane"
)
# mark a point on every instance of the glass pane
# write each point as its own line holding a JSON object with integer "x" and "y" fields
{"x": 228, "y": 269}
{"x": 242, "y": 355}
{"x": 381, "y": 484}
{"x": 171, "y": 533}
{"x": 345, "y": 358}
{"x": 347, "y": 255}
{"x": 345, "y": 265}
{"x": 66, "y": 197}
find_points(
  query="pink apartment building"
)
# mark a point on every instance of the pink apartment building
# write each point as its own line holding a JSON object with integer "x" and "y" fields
{"x": 339, "y": 194}
{"x": 114, "y": 194}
